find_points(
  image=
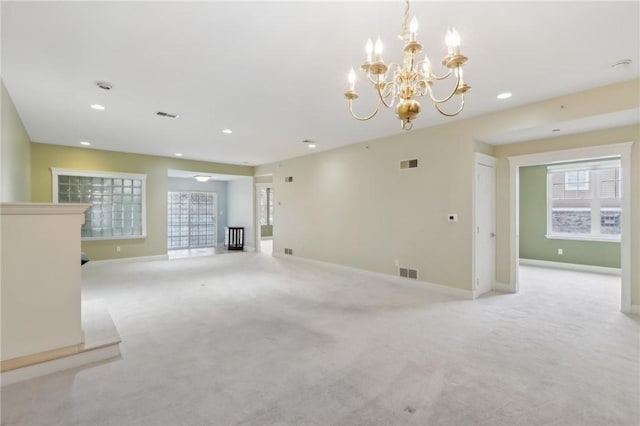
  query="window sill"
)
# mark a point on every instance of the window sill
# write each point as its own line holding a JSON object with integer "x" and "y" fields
{"x": 595, "y": 238}
{"x": 118, "y": 237}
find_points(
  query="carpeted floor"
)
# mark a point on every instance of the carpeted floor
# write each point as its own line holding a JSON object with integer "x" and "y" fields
{"x": 253, "y": 340}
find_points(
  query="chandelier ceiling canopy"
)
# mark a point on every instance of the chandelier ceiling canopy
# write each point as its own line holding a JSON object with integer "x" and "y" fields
{"x": 400, "y": 84}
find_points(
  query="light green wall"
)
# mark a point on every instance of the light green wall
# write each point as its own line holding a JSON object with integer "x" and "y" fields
{"x": 266, "y": 230}
{"x": 46, "y": 156}
{"x": 533, "y": 227}
{"x": 14, "y": 154}
{"x": 595, "y": 138}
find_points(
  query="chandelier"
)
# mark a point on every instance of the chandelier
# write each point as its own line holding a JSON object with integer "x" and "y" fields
{"x": 402, "y": 83}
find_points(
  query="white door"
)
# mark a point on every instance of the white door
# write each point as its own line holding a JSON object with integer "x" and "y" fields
{"x": 485, "y": 227}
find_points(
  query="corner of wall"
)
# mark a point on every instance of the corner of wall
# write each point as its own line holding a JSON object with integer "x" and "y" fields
{"x": 15, "y": 153}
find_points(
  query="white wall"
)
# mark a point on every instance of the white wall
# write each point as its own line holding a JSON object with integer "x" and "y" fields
{"x": 240, "y": 208}
{"x": 353, "y": 206}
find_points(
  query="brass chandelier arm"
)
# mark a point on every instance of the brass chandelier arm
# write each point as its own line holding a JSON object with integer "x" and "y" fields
{"x": 435, "y": 77}
{"x": 389, "y": 87}
{"x": 453, "y": 92}
{"x": 368, "y": 117}
{"x": 451, "y": 114}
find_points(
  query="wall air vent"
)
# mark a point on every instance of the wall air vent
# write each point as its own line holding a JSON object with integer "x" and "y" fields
{"x": 288, "y": 179}
{"x": 166, "y": 115}
{"x": 288, "y": 251}
{"x": 409, "y": 273}
{"x": 408, "y": 164}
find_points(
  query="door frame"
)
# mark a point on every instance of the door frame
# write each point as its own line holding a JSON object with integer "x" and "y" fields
{"x": 484, "y": 160}
{"x": 258, "y": 187}
{"x": 622, "y": 150}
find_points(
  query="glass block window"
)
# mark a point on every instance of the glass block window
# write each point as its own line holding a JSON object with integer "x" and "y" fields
{"x": 584, "y": 199}
{"x": 191, "y": 219}
{"x": 118, "y": 201}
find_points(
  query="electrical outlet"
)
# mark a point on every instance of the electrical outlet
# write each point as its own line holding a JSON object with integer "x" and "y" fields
{"x": 396, "y": 262}
{"x": 118, "y": 249}
{"x": 452, "y": 217}
{"x": 560, "y": 252}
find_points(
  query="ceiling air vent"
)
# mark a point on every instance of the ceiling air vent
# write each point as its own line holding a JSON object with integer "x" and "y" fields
{"x": 408, "y": 164}
{"x": 167, "y": 115}
{"x": 104, "y": 85}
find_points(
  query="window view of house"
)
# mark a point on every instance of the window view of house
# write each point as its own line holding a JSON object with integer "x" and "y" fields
{"x": 584, "y": 199}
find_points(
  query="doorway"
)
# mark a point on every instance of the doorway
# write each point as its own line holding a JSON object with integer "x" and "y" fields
{"x": 265, "y": 195}
{"x": 484, "y": 224}
{"x": 621, "y": 151}
{"x": 191, "y": 220}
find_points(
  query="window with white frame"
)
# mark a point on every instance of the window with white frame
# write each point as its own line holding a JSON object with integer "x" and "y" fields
{"x": 584, "y": 200}
{"x": 266, "y": 206}
{"x": 118, "y": 201}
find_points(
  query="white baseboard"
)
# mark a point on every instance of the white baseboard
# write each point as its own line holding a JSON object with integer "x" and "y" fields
{"x": 60, "y": 364}
{"x": 130, "y": 259}
{"x": 444, "y": 289}
{"x": 101, "y": 342}
{"x": 571, "y": 266}
{"x": 498, "y": 286}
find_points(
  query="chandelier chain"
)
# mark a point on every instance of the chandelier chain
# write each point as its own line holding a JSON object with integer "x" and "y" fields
{"x": 405, "y": 22}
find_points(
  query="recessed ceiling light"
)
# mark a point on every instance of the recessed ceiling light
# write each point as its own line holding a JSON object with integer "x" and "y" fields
{"x": 311, "y": 145}
{"x": 201, "y": 178}
{"x": 85, "y": 143}
{"x": 227, "y": 131}
{"x": 505, "y": 95}
{"x": 97, "y": 106}
{"x": 178, "y": 154}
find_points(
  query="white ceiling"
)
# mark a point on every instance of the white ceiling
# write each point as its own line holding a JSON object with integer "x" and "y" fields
{"x": 275, "y": 72}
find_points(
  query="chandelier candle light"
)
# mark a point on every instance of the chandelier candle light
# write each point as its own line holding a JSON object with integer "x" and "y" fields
{"x": 414, "y": 78}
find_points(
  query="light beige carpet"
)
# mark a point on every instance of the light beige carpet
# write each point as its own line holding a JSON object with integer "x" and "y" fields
{"x": 252, "y": 340}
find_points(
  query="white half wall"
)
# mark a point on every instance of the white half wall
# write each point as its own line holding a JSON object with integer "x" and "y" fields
{"x": 40, "y": 292}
